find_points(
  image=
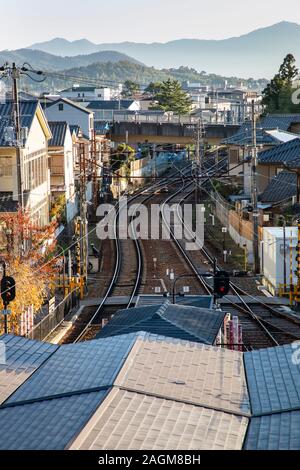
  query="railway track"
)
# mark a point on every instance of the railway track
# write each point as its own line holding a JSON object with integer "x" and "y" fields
{"x": 263, "y": 325}
{"x": 127, "y": 275}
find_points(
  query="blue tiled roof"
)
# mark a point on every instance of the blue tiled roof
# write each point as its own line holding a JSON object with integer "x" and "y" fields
{"x": 58, "y": 130}
{"x": 27, "y": 112}
{"x": 273, "y": 380}
{"x": 279, "y": 431}
{"x": 183, "y": 322}
{"x": 77, "y": 367}
{"x": 49, "y": 424}
{"x": 280, "y": 121}
{"x": 110, "y": 105}
{"x": 287, "y": 152}
{"x": 281, "y": 188}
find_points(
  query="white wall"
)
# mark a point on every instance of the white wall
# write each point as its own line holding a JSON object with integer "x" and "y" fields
{"x": 72, "y": 115}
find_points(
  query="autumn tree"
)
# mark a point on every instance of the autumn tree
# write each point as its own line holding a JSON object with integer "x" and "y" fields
{"x": 28, "y": 251}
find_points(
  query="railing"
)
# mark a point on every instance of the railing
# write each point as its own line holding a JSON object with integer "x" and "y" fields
{"x": 49, "y": 323}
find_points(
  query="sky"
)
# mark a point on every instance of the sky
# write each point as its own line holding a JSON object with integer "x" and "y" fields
{"x": 26, "y": 22}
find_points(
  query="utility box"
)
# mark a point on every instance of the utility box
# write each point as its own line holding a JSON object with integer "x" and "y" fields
{"x": 273, "y": 258}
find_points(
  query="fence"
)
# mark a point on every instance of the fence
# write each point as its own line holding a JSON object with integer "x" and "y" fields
{"x": 55, "y": 318}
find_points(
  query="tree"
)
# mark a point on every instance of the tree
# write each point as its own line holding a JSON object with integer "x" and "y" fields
{"x": 130, "y": 89}
{"x": 277, "y": 96}
{"x": 171, "y": 97}
{"x": 153, "y": 88}
{"x": 33, "y": 268}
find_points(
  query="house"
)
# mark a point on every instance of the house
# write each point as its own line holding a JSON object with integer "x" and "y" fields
{"x": 105, "y": 110}
{"x": 87, "y": 93}
{"x": 63, "y": 109}
{"x": 61, "y": 165}
{"x": 35, "y": 134}
{"x": 240, "y": 150}
{"x": 145, "y": 391}
{"x": 272, "y": 161}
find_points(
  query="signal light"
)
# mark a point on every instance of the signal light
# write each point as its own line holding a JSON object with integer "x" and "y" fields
{"x": 221, "y": 283}
{"x": 8, "y": 289}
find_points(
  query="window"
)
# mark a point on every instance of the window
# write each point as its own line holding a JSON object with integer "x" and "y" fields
{"x": 5, "y": 166}
{"x": 60, "y": 107}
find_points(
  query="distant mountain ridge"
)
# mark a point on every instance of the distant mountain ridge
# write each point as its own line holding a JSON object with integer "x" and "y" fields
{"x": 47, "y": 61}
{"x": 255, "y": 54}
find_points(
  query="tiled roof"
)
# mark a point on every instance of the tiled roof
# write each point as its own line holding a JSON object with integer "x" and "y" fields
{"x": 27, "y": 112}
{"x": 280, "y": 431}
{"x": 190, "y": 372}
{"x": 280, "y": 121}
{"x": 49, "y": 424}
{"x": 184, "y": 322}
{"x": 288, "y": 152}
{"x": 110, "y": 105}
{"x": 273, "y": 377}
{"x": 149, "y": 392}
{"x": 58, "y": 130}
{"x": 74, "y": 104}
{"x": 101, "y": 127}
{"x": 77, "y": 367}
{"x": 23, "y": 357}
{"x": 281, "y": 188}
{"x": 128, "y": 420}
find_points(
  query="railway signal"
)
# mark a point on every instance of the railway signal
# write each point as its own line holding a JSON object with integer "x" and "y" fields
{"x": 221, "y": 283}
{"x": 8, "y": 289}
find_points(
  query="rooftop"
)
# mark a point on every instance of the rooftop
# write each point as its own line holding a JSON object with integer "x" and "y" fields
{"x": 288, "y": 152}
{"x": 58, "y": 130}
{"x": 144, "y": 391}
{"x": 27, "y": 112}
{"x": 176, "y": 321}
{"x": 281, "y": 188}
{"x": 109, "y": 105}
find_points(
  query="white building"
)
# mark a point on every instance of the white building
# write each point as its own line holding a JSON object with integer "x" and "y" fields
{"x": 272, "y": 256}
{"x": 73, "y": 113}
{"x": 87, "y": 93}
{"x": 35, "y": 183}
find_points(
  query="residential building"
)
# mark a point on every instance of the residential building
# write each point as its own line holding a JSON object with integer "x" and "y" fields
{"x": 35, "y": 134}
{"x": 61, "y": 165}
{"x": 63, "y": 109}
{"x": 87, "y": 93}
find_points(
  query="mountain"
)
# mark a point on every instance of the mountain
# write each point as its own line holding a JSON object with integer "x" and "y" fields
{"x": 45, "y": 61}
{"x": 108, "y": 73}
{"x": 63, "y": 47}
{"x": 256, "y": 54}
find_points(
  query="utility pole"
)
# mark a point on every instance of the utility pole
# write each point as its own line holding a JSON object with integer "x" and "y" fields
{"x": 254, "y": 192}
{"x": 15, "y": 75}
{"x": 94, "y": 169}
{"x": 83, "y": 213}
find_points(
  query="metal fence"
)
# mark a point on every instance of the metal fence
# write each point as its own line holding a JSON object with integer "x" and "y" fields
{"x": 48, "y": 324}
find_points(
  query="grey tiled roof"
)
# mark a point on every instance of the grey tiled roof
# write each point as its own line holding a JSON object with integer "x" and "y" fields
{"x": 191, "y": 372}
{"x": 273, "y": 380}
{"x": 281, "y": 187}
{"x": 23, "y": 357}
{"x": 176, "y": 321}
{"x": 27, "y": 112}
{"x": 58, "y": 130}
{"x": 287, "y": 152}
{"x": 279, "y": 431}
{"x": 46, "y": 425}
{"x": 128, "y": 420}
{"x": 77, "y": 367}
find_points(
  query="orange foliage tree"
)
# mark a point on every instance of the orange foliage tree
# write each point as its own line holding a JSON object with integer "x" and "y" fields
{"x": 29, "y": 256}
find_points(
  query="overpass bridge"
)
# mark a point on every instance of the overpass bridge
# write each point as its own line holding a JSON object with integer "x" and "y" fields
{"x": 170, "y": 132}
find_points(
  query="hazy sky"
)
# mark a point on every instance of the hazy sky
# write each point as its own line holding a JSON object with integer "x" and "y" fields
{"x": 24, "y": 22}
